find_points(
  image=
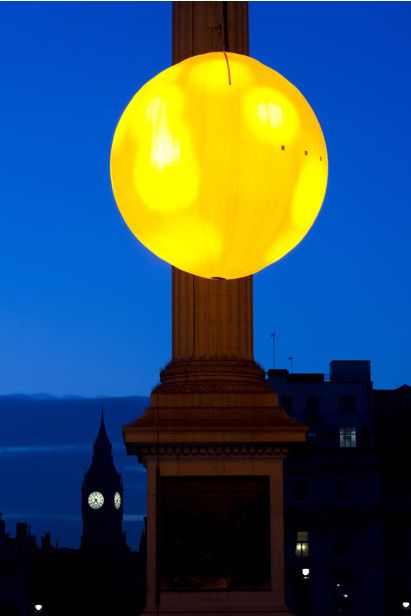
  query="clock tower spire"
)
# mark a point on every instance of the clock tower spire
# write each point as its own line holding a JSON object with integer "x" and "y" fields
{"x": 102, "y": 498}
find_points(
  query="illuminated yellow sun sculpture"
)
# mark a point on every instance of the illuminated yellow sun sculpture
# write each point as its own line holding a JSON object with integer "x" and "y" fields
{"x": 219, "y": 165}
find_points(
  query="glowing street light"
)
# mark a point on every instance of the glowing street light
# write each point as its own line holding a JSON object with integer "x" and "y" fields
{"x": 406, "y": 605}
{"x": 306, "y": 573}
{"x": 219, "y": 165}
{"x": 38, "y": 608}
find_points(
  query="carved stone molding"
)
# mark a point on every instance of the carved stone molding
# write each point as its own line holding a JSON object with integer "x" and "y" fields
{"x": 210, "y": 451}
{"x": 212, "y": 375}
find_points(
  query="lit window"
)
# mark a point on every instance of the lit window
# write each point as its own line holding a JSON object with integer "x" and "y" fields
{"x": 348, "y": 437}
{"x": 301, "y": 548}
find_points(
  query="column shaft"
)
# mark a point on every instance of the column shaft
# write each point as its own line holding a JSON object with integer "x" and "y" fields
{"x": 212, "y": 319}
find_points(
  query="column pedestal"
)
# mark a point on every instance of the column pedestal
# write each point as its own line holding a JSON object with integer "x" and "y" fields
{"x": 214, "y": 453}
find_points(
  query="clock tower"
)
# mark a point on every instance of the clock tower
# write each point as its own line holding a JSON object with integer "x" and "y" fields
{"x": 102, "y": 499}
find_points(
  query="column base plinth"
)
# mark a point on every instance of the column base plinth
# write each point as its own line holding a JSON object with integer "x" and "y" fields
{"x": 227, "y": 604}
{"x": 222, "y": 612}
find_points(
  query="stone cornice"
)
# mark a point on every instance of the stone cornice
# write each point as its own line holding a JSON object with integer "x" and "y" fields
{"x": 207, "y": 451}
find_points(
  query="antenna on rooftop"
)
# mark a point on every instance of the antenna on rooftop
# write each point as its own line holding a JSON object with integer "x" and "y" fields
{"x": 291, "y": 360}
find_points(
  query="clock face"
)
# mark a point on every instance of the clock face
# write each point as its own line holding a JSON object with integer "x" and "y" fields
{"x": 117, "y": 500}
{"x": 95, "y": 500}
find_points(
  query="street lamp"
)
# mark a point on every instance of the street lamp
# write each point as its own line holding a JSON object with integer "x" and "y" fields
{"x": 219, "y": 165}
{"x": 406, "y": 605}
{"x": 38, "y": 608}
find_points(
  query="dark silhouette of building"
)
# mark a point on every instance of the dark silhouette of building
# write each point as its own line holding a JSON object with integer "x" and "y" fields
{"x": 15, "y": 555}
{"x": 102, "y": 577}
{"x": 347, "y": 514}
{"x": 392, "y": 412}
{"x": 347, "y": 494}
{"x": 102, "y": 499}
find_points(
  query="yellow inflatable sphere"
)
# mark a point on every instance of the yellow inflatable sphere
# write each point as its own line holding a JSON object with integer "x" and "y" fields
{"x": 219, "y": 165}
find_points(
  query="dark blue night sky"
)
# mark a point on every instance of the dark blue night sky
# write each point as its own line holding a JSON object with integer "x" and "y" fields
{"x": 85, "y": 309}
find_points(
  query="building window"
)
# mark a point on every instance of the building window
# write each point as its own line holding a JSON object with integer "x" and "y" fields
{"x": 300, "y": 489}
{"x": 347, "y": 404}
{"x": 348, "y": 437}
{"x": 341, "y": 547}
{"x": 340, "y": 489}
{"x": 301, "y": 548}
{"x": 311, "y": 405}
{"x": 287, "y": 403}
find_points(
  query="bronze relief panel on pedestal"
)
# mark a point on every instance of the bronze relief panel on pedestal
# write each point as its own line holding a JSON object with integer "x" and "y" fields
{"x": 214, "y": 534}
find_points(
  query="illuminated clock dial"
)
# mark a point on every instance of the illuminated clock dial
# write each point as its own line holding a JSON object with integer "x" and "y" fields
{"x": 117, "y": 500}
{"x": 95, "y": 500}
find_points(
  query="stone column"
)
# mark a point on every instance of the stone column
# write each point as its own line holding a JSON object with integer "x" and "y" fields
{"x": 212, "y": 320}
{"x": 212, "y": 416}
